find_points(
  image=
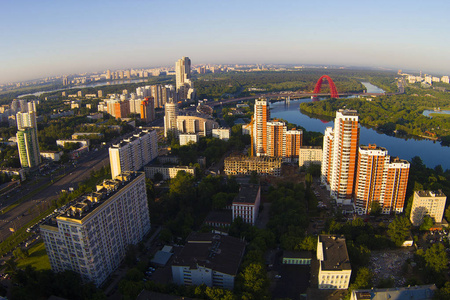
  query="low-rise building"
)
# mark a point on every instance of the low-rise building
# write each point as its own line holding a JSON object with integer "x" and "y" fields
{"x": 209, "y": 259}
{"x": 62, "y": 143}
{"x": 242, "y": 165}
{"x": 167, "y": 172}
{"x": 334, "y": 262}
{"x": 221, "y": 133}
{"x": 422, "y": 292}
{"x": 309, "y": 155}
{"x": 186, "y": 138}
{"x": 14, "y": 172}
{"x": 52, "y": 155}
{"x": 431, "y": 203}
{"x": 80, "y": 135}
{"x": 297, "y": 258}
{"x": 246, "y": 203}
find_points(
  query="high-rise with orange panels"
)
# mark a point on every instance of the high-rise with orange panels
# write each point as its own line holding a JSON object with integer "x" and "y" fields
{"x": 121, "y": 109}
{"x": 370, "y": 177}
{"x": 294, "y": 140}
{"x": 397, "y": 173}
{"x": 380, "y": 179}
{"x": 276, "y": 139}
{"x": 261, "y": 117}
{"x": 148, "y": 109}
{"x": 340, "y": 152}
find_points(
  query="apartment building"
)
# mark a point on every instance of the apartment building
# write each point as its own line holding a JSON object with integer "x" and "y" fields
{"x": 91, "y": 236}
{"x": 221, "y": 133}
{"x": 186, "y": 138}
{"x": 340, "y": 149}
{"x": 309, "y": 155}
{"x": 431, "y": 203}
{"x": 133, "y": 153}
{"x": 261, "y": 116}
{"x": 380, "y": 179}
{"x": 28, "y": 147}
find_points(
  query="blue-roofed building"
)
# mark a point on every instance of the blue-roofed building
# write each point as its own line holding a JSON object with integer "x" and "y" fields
{"x": 421, "y": 292}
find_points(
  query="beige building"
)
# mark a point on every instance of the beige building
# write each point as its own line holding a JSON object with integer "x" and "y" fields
{"x": 221, "y": 133}
{"x": 187, "y": 138}
{"x": 309, "y": 155}
{"x": 52, "y": 155}
{"x": 133, "y": 153}
{"x": 334, "y": 262}
{"x": 195, "y": 124}
{"x": 242, "y": 165}
{"x": 431, "y": 203}
{"x": 170, "y": 118}
{"x": 167, "y": 172}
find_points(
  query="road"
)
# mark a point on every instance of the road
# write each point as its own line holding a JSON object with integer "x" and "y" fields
{"x": 31, "y": 208}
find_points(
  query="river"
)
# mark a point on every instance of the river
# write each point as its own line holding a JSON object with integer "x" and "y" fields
{"x": 94, "y": 84}
{"x": 431, "y": 153}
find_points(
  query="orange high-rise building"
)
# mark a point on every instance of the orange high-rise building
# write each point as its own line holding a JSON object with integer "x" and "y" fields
{"x": 276, "y": 139}
{"x": 260, "y": 119}
{"x": 396, "y": 183}
{"x": 340, "y": 150}
{"x": 380, "y": 179}
{"x": 370, "y": 179}
{"x": 294, "y": 140}
{"x": 121, "y": 109}
{"x": 148, "y": 109}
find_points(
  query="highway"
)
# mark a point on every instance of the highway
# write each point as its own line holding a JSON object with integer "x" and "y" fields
{"x": 31, "y": 208}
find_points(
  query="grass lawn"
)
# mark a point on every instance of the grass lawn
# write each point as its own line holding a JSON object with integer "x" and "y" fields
{"x": 38, "y": 258}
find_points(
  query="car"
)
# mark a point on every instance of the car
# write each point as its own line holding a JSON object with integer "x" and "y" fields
{"x": 277, "y": 276}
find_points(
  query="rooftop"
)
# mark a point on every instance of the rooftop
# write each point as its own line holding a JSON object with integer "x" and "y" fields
{"x": 220, "y": 216}
{"x": 247, "y": 194}
{"x": 84, "y": 205}
{"x": 334, "y": 253}
{"x": 217, "y": 252}
{"x": 437, "y": 193}
{"x": 348, "y": 112}
{"x": 422, "y": 292}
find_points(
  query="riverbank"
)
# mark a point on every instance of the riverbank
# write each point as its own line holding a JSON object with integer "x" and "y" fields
{"x": 401, "y": 145}
{"x": 398, "y": 114}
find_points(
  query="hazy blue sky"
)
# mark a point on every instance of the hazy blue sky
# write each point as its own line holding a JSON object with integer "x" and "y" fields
{"x": 44, "y": 38}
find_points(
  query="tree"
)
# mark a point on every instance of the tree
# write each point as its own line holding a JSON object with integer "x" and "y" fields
{"x": 255, "y": 281}
{"x": 375, "y": 209}
{"x": 443, "y": 293}
{"x": 398, "y": 230}
{"x": 436, "y": 258}
{"x": 182, "y": 185}
{"x": 363, "y": 279}
{"x": 447, "y": 214}
{"x": 215, "y": 293}
{"x": 309, "y": 243}
{"x": 427, "y": 223}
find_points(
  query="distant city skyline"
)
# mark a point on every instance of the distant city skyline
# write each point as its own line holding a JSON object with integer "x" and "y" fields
{"x": 48, "y": 38}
